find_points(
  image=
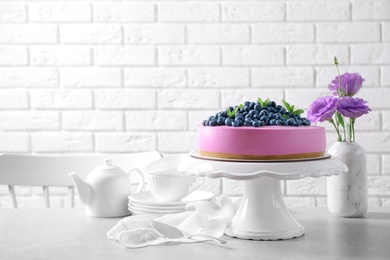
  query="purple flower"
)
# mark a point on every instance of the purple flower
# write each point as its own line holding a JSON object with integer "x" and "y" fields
{"x": 351, "y": 83}
{"x": 352, "y": 107}
{"x": 322, "y": 109}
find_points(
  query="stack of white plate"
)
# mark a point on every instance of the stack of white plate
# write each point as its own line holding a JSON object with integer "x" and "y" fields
{"x": 144, "y": 203}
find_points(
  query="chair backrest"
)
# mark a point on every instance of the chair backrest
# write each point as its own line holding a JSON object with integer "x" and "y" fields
{"x": 53, "y": 170}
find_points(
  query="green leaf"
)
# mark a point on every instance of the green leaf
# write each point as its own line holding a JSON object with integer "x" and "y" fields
{"x": 340, "y": 119}
{"x": 260, "y": 101}
{"x": 263, "y": 103}
{"x": 287, "y": 105}
{"x": 230, "y": 113}
{"x": 298, "y": 112}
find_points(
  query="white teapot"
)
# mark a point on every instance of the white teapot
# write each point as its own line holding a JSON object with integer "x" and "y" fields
{"x": 106, "y": 189}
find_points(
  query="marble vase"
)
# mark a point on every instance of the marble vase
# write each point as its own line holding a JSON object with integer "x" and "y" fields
{"x": 347, "y": 192}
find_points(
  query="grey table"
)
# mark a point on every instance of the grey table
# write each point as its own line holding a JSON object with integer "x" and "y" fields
{"x": 69, "y": 234}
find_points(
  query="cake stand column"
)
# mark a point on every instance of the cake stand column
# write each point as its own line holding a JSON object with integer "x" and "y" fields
{"x": 262, "y": 214}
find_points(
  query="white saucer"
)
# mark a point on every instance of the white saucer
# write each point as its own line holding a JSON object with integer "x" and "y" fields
{"x": 145, "y": 198}
{"x": 155, "y": 207}
{"x": 152, "y": 211}
{"x": 136, "y": 212}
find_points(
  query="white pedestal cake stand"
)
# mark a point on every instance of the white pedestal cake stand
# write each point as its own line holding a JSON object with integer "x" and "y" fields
{"x": 262, "y": 214}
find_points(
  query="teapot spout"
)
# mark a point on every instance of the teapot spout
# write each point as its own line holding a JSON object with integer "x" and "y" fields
{"x": 84, "y": 189}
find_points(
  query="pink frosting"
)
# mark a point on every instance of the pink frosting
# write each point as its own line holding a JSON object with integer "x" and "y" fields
{"x": 266, "y": 140}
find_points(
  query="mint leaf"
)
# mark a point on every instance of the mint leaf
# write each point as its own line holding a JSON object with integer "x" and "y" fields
{"x": 298, "y": 112}
{"x": 287, "y": 105}
{"x": 230, "y": 113}
{"x": 290, "y": 108}
{"x": 260, "y": 101}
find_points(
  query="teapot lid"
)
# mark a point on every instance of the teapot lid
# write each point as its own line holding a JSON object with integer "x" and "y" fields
{"x": 108, "y": 167}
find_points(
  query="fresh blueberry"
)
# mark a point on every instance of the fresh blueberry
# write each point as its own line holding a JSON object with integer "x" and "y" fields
{"x": 253, "y": 104}
{"x": 247, "y": 103}
{"x": 265, "y": 119}
{"x": 262, "y": 123}
{"x": 272, "y": 122}
{"x": 221, "y": 120}
{"x": 264, "y": 113}
{"x": 282, "y": 110}
{"x": 239, "y": 118}
{"x": 279, "y": 122}
{"x": 267, "y": 108}
{"x": 258, "y": 107}
{"x": 236, "y": 123}
{"x": 247, "y": 108}
{"x": 272, "y": 104}
{"x": 228, "y": 121}
{"x": 290, "y": 121}
{"x": 213, "y": 122}
{"x": 256, "y": 123}
{"x": 305, "y": 122}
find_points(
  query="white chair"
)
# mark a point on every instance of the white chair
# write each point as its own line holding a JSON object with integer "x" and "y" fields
{"x": 51, "y": 170}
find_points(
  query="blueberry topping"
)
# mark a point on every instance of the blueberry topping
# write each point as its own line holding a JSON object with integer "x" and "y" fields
{"x": 257, "y": 114}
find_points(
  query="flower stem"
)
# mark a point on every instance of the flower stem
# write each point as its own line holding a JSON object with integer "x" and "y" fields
{"x": 352, "y": 120}
{"x": 337, "y": 130}
{"x": 340, "y": 92}
{"x": 336, "y": 62}
{"x": 345, "y": 136}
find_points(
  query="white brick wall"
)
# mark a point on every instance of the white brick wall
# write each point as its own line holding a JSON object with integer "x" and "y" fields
{"x": 139, "y": 75}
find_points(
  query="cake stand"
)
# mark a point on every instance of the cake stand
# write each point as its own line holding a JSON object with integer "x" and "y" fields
{"x": 262, "y": 214}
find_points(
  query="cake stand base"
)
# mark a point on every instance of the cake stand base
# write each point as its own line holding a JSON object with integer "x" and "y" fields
{"x": 262, "y": 214}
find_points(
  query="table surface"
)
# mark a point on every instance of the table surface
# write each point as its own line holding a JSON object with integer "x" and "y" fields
{"x": 69, "y": 234}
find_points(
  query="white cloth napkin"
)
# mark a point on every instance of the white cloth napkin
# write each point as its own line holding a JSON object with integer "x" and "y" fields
{"x": 201, "y": 217}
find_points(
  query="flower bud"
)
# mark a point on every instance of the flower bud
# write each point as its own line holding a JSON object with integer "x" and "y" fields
{"x": 336, "y": 62}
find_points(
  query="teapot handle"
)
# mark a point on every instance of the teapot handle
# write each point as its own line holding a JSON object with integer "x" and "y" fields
{"x": 142, "y": 183}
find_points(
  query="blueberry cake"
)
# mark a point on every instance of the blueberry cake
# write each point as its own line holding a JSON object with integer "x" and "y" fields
{"x": 260, "y": 130}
